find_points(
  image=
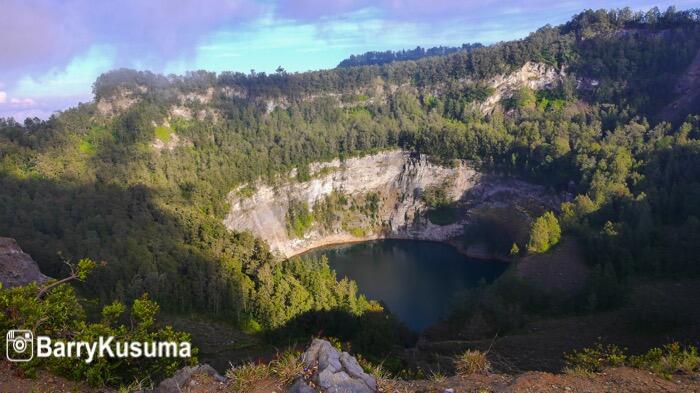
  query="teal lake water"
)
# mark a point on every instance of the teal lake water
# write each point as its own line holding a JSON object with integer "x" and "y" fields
{"x": 417, "y": 280}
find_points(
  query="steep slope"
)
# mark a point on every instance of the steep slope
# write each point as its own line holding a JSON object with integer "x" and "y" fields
{"x": 687, "y": 89}
{"x": 381, "y": 196}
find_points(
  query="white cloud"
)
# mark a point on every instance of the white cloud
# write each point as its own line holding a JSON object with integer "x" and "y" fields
{"x": 3, "y": 97}
{"x": 24, "y": 102}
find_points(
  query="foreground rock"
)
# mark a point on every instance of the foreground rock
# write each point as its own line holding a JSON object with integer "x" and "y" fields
{"x": 333, "y": 371}
{"x": 17, "y": 267}
{"x": 183, "y": 379}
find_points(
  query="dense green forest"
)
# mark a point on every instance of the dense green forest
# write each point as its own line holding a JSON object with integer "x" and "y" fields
{"x": 89, "y": 184}
{"x": 379, "y": 58}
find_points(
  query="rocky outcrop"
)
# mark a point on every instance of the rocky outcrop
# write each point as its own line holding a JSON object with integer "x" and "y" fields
{"x": 536, "y": 76}
{"x": 16, "y": 267}
{"x": 119, "y": 102}
{"x": 332, "y": 371}
{"x": 396, "y": 179}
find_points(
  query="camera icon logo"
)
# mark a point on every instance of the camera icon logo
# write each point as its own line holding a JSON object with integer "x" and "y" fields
{"x": 20, "y": 345}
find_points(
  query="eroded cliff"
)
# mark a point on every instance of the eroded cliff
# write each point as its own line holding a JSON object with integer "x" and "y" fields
{"x": 386, "y": 195}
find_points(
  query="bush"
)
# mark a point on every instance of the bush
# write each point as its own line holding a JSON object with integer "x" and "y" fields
{"x": 595, "y": 359}
{"x": 55, "y": 311}
{"x": 544, "y": 233}
{"x": 665, "y": 361}
{"x": 668, "y": 360}
{"x": 298, "y": 218}
{"x": 472, "y": 362}
{"x": 437, "y": 195}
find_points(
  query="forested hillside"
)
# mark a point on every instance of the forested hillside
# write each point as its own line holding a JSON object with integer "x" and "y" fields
{"x": 138, "y": 178}
{"x": 379, "y": 58}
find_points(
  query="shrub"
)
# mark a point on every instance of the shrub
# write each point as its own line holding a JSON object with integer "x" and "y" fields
{"x": 437, "y": 195}
{"x": 472, "y": 362}
{"x": 668, "y": 360}
{"x": 665, "y": 361}
{"x": 595, "y": 359}
{"x": 544, "y": 233}
{"x": 298, "y": 218}
{"x": 54, "y": 310}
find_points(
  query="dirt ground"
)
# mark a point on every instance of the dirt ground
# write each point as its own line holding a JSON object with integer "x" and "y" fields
{"x": 613, "y": 380}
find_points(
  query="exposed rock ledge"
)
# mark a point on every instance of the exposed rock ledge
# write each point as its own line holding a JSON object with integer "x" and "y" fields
{"x": 398, "y": 178}
{"x": 16, "y": 267}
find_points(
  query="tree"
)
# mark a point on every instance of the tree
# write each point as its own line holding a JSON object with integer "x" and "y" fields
{"x": 544, "y": 233}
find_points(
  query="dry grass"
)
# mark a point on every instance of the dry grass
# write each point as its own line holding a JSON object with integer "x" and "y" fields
{"x": 392, "y": 386}
{"x": 282, "y": 371}
{"x": 247, "y": 375}
{"x": 437, "y": 376}
{"x": 287, "y": 367}
{"x": 472, "y": 362}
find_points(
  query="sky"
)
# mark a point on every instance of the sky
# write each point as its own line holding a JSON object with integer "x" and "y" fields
{"x": 51, "y": 51}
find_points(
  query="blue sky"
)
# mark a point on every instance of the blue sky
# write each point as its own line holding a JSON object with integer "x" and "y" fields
{"x": 52, "y": 51}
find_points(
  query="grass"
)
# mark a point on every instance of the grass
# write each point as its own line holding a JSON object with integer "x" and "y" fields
{"x": 285, "y": 368}
{"x": 163, "y": 133}
{"x": 248, "y": 375}
{"x": 665, "y": 361}
{"x": 472, "y": 362}
{"x": 437, "y": 376}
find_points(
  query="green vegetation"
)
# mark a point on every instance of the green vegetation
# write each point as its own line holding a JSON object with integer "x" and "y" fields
{"x": 164, "y": 133}
{"x": 544, "y": 233}
{"x": 438, "y": 201}
{"x": 595, "y": 359}
{"x": 88, "y": 185}
{"x": 668, "y": 360}
{"x": 56, "y": 311}
{"x": 298, "y": 218}
{"x": 523, "y": 98}
{"x": 284, "y": 368}
{"x": 665, "y": 361}
{"x": 436, "y": 196}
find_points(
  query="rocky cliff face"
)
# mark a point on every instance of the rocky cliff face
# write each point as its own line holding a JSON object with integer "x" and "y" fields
{"x": 393, "y": 184}
{"x": 16, "y": 267}
{"x": 536, "y": 76}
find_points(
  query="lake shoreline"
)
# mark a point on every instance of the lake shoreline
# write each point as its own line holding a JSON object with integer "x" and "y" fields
{"x": 456, "y": 243}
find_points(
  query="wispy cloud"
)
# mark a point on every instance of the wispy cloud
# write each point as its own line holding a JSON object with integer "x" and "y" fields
{"x": 39, "y": 35}
{"x": 52, "y": 50}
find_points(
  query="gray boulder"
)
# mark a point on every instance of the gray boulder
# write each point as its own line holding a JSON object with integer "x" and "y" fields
{"x": 300, "y": 387}
{"x": 17, "y": 267}
{"x": 336, "y": 372}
